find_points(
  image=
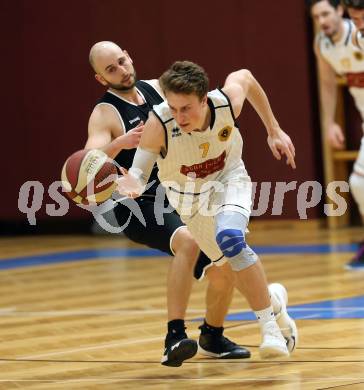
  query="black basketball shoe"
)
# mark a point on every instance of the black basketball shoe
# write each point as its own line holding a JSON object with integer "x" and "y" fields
{"x": 178, "y": 350}
{"x": 221, "y": 347}
{"x": 213, "y": 343}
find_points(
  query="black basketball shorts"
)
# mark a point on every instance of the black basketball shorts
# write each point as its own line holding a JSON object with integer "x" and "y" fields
{"x": 157, "y": 234}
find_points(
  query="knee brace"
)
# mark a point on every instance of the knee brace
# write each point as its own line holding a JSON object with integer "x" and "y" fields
{"x": 231, "y": 242}
{"x": 230, "y": 237}
{"x": 357, "y": 189}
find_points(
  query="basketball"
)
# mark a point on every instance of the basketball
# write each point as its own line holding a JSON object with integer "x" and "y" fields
{"x": 88, "y": 176}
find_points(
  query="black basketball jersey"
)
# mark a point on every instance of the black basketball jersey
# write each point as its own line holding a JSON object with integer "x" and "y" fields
{"x": 131, "y": 115}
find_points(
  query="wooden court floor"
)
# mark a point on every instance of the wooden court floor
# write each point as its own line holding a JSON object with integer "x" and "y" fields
{"x": 99, "y": 322}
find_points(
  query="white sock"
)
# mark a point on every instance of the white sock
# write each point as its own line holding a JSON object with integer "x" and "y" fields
{"x": 265, "y": 315}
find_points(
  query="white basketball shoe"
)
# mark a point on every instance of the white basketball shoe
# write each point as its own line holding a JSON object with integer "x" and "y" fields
{"x": 279, "y": 298}
{"x": 273, "y": 344}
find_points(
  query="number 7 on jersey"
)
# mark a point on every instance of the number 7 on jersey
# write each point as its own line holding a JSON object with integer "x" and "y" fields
{"x": 205, "y": 149}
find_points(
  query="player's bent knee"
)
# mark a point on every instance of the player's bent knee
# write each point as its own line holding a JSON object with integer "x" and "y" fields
{"x": 183, "y": 243}
{"x": 357, "y": 189}
{"x": 234, "y": 248}
{"x": 231, "y": 242}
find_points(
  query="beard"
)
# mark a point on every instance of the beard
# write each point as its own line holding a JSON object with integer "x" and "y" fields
{"x": 331, "y": 34}
{"x": 335, "y": 31}
{"x": 121, "y": 87}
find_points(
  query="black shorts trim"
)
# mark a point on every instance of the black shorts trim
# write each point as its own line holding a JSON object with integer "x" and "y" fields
{"x": 232, "y": 204}
{"x": 203, "y": 263}
{"x": 187, "y": 193}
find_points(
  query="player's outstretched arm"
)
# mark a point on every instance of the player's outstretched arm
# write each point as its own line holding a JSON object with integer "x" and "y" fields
{"x": 241, "y": 85}
{"x": 133, "y": 182}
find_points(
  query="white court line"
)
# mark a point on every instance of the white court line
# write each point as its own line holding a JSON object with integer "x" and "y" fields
{"x": 92, "y": 347}
{"x": 15, "y": 312}
{"x": 6, "y": 310}
{"x": 100, "y": 346}
{"x": 310, "y": 316}
{"x": 193, "y": 333}
{"x": 320, "y": 380}
{"x": 113, "y": 345}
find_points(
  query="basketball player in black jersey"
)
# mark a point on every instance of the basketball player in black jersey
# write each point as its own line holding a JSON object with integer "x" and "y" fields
{"x": 116, "y": 125}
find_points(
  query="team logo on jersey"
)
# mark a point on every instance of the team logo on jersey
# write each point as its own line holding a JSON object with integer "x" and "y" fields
{"x": 134, "y": 120}
{"x": 358, "y": 55}
{"x": 224, "y": 133}
{"x": 176, "y": 132}
{"x": 206, "y": 168}
{"x": 355, "y": 80}
{"x": 346, "y": 63}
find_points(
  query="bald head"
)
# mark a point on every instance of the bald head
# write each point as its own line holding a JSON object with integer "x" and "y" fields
{"x": 113, "y": 66}
{"x": 101, "y": 51}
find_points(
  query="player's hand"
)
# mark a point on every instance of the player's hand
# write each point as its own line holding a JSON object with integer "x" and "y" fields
{"x": 132, "y": 138}
{"x": 335, "y": 136}
{"x": 128, "y": 185}
{"x": 281, "y": 145}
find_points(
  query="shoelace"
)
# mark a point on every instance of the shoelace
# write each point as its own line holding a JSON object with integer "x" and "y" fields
{"x": 271, "y": 330}
{"x": 228, "y": 343}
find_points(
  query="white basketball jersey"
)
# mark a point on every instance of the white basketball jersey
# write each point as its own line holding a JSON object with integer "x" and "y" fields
{"x": 347, "y": 60}
{"x": 197, "y": 158}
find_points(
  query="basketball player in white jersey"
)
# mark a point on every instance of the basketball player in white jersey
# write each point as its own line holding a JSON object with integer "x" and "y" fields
{"x": 337, "y": 54}
{"x": 114, "y": 126}
{"x": 197, "y": 146}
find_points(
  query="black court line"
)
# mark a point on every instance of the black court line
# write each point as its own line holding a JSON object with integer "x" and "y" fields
{"x": 330, "y": 348}
{"x": 215, "y": 361}
{"x": 338, "y": 386}
{"x": 314, "y": 348}
{"x": 317, "y": 348}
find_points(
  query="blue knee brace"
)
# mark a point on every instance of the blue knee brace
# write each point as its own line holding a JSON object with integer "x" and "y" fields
{"x": 231, "y": 242}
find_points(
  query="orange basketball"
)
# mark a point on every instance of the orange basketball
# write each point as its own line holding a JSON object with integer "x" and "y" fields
{"x": 88, "y": 176}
